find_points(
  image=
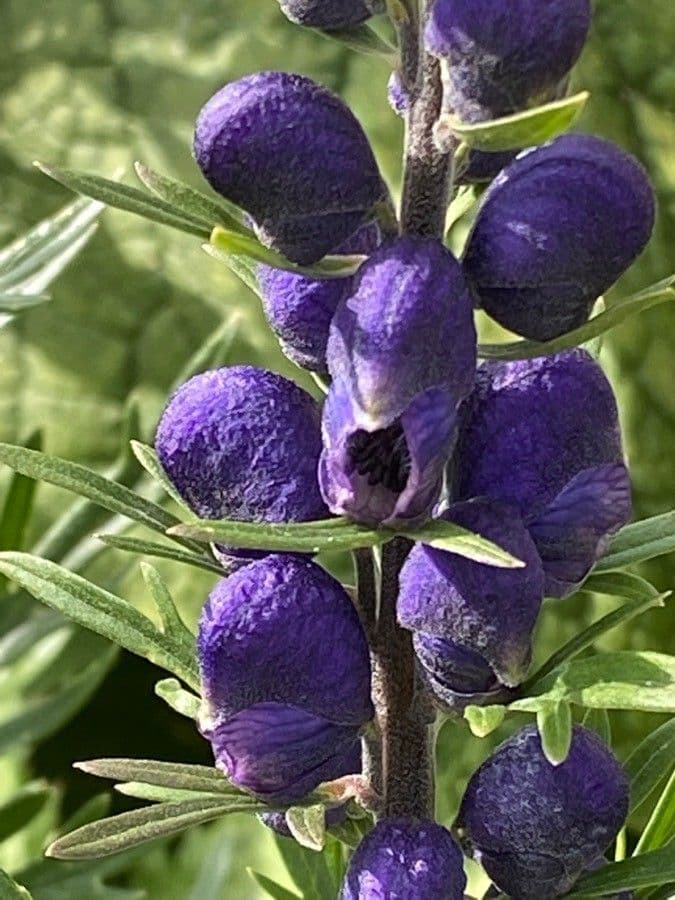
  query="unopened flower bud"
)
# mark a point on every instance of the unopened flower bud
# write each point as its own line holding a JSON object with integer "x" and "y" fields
{"x": 330, "y": 14}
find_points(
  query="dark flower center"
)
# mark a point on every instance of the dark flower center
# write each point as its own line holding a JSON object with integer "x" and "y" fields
{"x": 382, "y": 456}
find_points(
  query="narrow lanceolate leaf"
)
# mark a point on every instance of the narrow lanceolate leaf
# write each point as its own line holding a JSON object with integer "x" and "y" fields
{"x": 643, "y": 596}
{"x": 643, "y": 871}
{"x": 100, "y": 611}
{"x": 554, "y": 722}
{"x": 597, "y": 720}
{"x": 130, "y": 199}
{"x": 153, "y": 794}
{"x": 160, "y": 551}
{"x": 454, "y": 539}
{"x": 130, "y": 829}
{"x": 21, "y": 808}
{"x": 483, "y": 720}
{"x": 18, "y": 504}
{"x": 363, "y": 39}
{"x": 660, "y": 830}
{"x": 271, "y": 888}
{"x": 522, "y": 129}
{"x": 181, "y": 701}
{"x": 650, "y": 762}
{"x": 10, "y": 303}
{"x": 638, "y": 542}
{"x": 307, "y": 824}
{"x": 10, "y": 889}
{"x": 249, "y": 247}
{"x": 180, "y": 776}
{"x": 623, "y": 680}
{"x": 147, "y": 457}
{"x": 172, "y": 624}
{"x": 616, "y": 314}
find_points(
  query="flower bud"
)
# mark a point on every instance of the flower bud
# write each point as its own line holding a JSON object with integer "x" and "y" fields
{"x": 291, "y": 154}
{"x": 300, "y": 309}
{"x": 555, "y": 230}
{"x": 330, "y": 14}
{"x": 543, "y": 436}
{"x": 473, "y": 623}
{"x": 402, "y": 859}
{"x": 402, "y": 354}
{"x": 285, "y": 677}
{"x": 536, "y": 827}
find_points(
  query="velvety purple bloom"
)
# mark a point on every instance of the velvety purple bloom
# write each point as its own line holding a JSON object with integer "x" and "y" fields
{"x": 291, "y": 154}
{"x": 402, "y": 355}
{"x": 555, "y": 230}
{"x": 330, "y": 14}
{"x": 300, "y": 309}
{"x": 543, "y": 435}
{"x": 535, "y": 827}
{"x": 285, "y": 677}
{"x": 473, "y": 623}
{"x": 406, "y": 859}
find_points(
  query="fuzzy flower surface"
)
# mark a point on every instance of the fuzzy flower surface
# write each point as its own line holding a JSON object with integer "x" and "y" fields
{"x": 406, "y": 859}
{"x": 555, "y": 230}
{"x": 543, "y": 436}
{"x": 402, "y": 355}
{"x": 330, "y": 14}
{"x": 473, "y": 623}
{"x": 300, "y": 309}
{"x": 536, "y": 827}
{"x": 285, "y": 677}
{"x": 291, "y": 154}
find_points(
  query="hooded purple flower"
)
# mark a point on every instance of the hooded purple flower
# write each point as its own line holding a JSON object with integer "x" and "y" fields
{"x": 330, "y": 14}
{"x": 285, "y": 677}
{"x": 535, "y": 827}
{"x": 291, "y": 154}
{"x": 555, "y": 230}
{"x": 473, "y": 623}
{"x": 300, "y": 309}
{"x": 543, "y": 435}
{"x": 405, "y": 859}
{"x": 402, "y": 355}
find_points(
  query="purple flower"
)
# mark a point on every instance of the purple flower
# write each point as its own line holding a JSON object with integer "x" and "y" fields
{"x": 285, "y": 677}
{"x": 543, "y": 435}
{"x": 535, "y": 827}
{"x": 300, "y": 309}
{"x": 401, "y": 353}
{"x": 473, "y": 623}
{"x": 555, "y": 230}
{"x": 402, "y": 859}
{"x": 291, "y": 154}
{"x": 330, "y": 14}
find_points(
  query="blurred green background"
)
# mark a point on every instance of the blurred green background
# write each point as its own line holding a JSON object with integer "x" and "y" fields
{"x": 97, "y": 84}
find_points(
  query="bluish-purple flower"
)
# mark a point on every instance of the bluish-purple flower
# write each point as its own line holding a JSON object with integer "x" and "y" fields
{"x": 473, "y": 623}
{"x": 535, "y": 827}
{"x": 291, "y": 154}
{"x": 402, "y": 355}
{"x": 406, "y": 859}
{"x": 555, "y": 230}
{"x": 543, "y": 436}
{"x": 300, "y": 309}
{"x": 285, "y": 677}
{"x": 330, "y": 14}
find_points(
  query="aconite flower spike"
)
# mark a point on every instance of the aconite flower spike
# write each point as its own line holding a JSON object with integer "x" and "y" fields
{"x": 330, "y": 15}
{"x": 411, "y": 859}
{"x": 555, "y": 230}
{"x": 292, "y": 155}
{"x": 285, "y": 675}
{"x": 536, "y": 827}
{"x": 543, "y": 436}
{"x": 473, "y": 623}
{"x": 402, "y": 355}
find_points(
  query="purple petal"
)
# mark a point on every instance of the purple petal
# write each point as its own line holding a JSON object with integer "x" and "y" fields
{"x": 291, "y": 154}
{"x": 555, "y": 230}
{"x": 406, "y": 859}
{"x": 330, "y": 14}
{"x": 572, "y": 532}
{"x": 534, "y": 826}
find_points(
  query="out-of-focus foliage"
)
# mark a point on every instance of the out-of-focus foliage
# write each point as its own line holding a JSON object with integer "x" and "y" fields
{"x": 96, "y": 84}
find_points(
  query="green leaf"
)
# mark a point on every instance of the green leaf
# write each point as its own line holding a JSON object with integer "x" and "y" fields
{"x": 100, "y": 611}
{"x": 160, "y": 551}
{"x": 274, "y": 890}
{"x": 554, "y": 721}
{"x": 20, "y": 809}
{"x": 660, "y": 830}
{"x": 363, "y": 39}
{"x": 181, "y": 701}
{"x": 130, "y": 829}
{"x": 130, "y": 199}
{"x": 11, "y": 304}
{"x": 18, "y": 504}
{"x": 597, "y": 720}
{"x": 630, "y": 874}
{"x": 638, "y": 542}
{"x": 483, "y": 720}
{"x": 10, "y": 890}
{"x": 453, "y": 539}
{"x": 153, "y": 794}
{"x": 307, "y": 824}
{"x": 623, "y": 680}
{"x": 180, "y": 776}
{"x": 147, "y": 457}
{"x": 309, "y": 871}
{"x": 650, "y": 762}
{"x": 172, "y": 624}
{"x": 522, "y": 129}
{"x": 616, "y": 314}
